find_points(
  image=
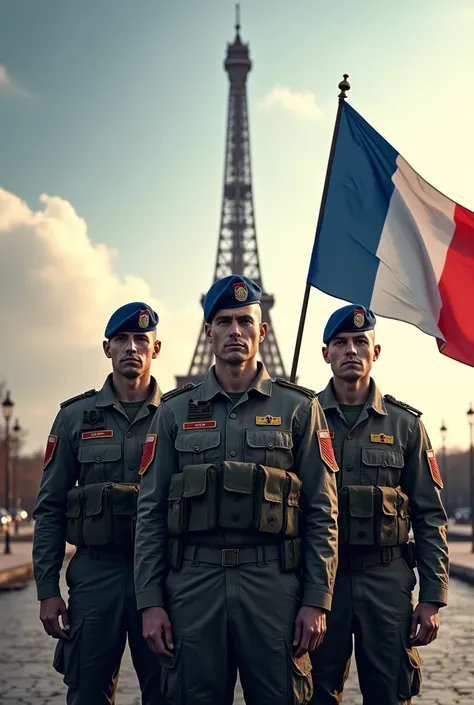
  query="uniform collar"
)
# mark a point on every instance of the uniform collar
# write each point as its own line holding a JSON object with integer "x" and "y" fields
{"x": 327, "y": 399}
{"x": 107, "y": 396}
{"x": 210, "y": 386}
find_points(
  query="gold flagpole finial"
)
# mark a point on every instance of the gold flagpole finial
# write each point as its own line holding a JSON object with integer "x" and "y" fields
{"x": 344, "y": 86}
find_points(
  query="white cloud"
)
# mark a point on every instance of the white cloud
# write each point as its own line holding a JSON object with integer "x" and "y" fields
{"x": 57, "y": 291}
{"x": 301, "y": 103}
{"x": 7, "y": 85}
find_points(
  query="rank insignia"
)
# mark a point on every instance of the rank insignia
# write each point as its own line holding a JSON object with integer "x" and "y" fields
{"x": 93, "y": 418}
{"x": 241, "y": 291}
{"x": 144, "y": 318}
{"x": 381, "y": 438}
{"x": 199, "y": 409}
{"x": 359, "y": 318}
{"x": 148, "y": 453}
{"x": 190, "y": 425}
{"x": 434, "y": 468}
{"x": 50, "y": 448}
{"x": 268, "y": 420}
{"x": 89, "y": 435}
{"x": 326, "y": 450}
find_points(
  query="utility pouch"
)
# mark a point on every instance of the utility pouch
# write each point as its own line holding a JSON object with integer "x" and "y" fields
{"x": 403, "y": 511}
{"x": 200, "y": 495}
{"x": 291, "y": 500}
{"x": 122, "y": 499}
{"x": 386, "y": 517}
{"x": 290, "y": 555}
{"x": 236, "y": 506}
{"x": 177, "y": 514}
{"x": 269, "y": 499}
{"x": 175, "y": 553}
{"x": 358, "y": 515}
{"x": 97, "y": 524}
{"x": 75, "y": 499}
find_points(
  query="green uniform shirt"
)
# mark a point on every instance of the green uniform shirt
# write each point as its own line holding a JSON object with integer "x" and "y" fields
{"x": 235, "y": 433}
{"x": 388, "y": 447}
{"x": 92, "y": 440}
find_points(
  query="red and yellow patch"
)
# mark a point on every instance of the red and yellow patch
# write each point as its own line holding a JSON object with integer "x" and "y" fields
{"x": 51, "y": 444}
{"x": 148, "y": 453}
{"x": 326, "y": 450}
{"x": 88, "y": 435}
{"x": 189, "y": 425}
{"x": 434, "y": 468}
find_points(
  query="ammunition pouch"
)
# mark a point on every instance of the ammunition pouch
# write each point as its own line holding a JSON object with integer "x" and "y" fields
{"x": 233, "y": 495}
{"x": 102, "y": 514}
{"x": 373, "y": 516}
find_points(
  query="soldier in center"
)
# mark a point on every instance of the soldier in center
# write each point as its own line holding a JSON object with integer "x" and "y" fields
{"x": 239, "y": 484}
{"x": 388, "y": 482}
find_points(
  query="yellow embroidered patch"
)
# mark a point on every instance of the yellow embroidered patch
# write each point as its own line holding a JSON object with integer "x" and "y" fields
{"x": 268, "y": 420}
{"x": 381, "y": 438}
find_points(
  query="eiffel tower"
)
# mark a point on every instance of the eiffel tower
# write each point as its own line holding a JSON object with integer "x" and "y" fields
{"x": 237, "y": 251}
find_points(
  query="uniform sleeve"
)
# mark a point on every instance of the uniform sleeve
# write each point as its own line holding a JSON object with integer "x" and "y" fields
{"x": 49, "y": 538}
{"x": 318, "y": 505}
{"x": 428, "y": 517}
{"x": 151, "y": 542}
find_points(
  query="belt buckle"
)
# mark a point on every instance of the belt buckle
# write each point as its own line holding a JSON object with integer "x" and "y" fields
{"x": 230, "y": 557}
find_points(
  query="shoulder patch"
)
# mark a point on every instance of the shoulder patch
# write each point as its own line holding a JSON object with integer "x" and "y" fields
{"x": 179, "y": 390}
{"x": 84, "y": 395}
{"x": 407, "y": 407}
{"x": 284, "y": 383}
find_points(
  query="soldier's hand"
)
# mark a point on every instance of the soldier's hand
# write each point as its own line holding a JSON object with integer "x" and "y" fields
{"x": 426, "y": 618}
{"x": 50, "y": 610}
{"x": 157, "y": 631}
{"x": 310, "y": 628}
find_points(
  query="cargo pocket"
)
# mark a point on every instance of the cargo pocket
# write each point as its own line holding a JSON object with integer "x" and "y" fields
{"x": 124, "y": 498}
{"x": 409, "y": 681}
{"x": 200, "y": 496}
{"x": 269, "y": 447}
{"x": 66, "y": 659}
{"x": 197, "y": 447}
{"x": 269, "y": 507}
{"x": 300, "y": 681}
{"x": 361, "y": 515}
{"x": 96, "y": 524}
{"x": 388, "y": 517}
{"x": 172, "y": 681}
{"x": 381, "y": 466}
{"x": 99, "y": 461}
{"x": 236, "y": 509}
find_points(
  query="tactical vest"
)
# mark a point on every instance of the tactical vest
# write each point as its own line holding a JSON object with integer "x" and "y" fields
{"x": 373, "y": 516}
{"x": 102, "y": 514}
{"x": 233, "y": 495}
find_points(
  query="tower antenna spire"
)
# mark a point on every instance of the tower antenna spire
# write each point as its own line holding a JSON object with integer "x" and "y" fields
{"x": 237, "y": 18}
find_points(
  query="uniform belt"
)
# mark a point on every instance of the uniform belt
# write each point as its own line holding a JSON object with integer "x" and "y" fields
{"x": 231, "y": 557}
{"x": 360, "y": 560}
{"x": 118, "y": 552}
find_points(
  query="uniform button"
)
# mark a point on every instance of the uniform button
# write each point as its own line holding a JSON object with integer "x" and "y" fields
{"x": 233, "y": 416}
{"x": 196, "y": 448}
{"x": 389, "y": 532}
{"x": 349, "y": 468}
{"x": 98, "y": 459}
{"x": 349, "y": 437}
{"x": 270, "y": 445}
{"x": 130, "y": 467}
{"x": 129, "y": 434}
{"x": 384, "y": 464}
{"x": 270, "y": 519}
{"x": 233, "y": 453}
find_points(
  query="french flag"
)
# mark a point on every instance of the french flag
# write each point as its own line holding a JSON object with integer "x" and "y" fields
{"x": 393, "y": 243}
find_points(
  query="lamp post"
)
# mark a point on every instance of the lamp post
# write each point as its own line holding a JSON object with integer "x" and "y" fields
{"x": 7, "y": 408}
{"x": 16, "y": 430}
{"x": 444, "y": 432}
{"x": 470, "y": 418}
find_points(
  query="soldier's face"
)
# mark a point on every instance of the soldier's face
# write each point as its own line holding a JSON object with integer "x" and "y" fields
{"x": 132, "y": 353}
{"x": 236, "y": 333}
{"x": 351, "y": 355}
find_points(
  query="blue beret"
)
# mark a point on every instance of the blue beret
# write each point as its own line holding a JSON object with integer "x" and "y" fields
{"x": 230, "y": 292}
{"x": 136, "y": 317}
{"x": 348, "y": 319}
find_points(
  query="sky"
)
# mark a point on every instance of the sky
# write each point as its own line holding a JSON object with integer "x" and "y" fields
{"x": 112, "y": 130}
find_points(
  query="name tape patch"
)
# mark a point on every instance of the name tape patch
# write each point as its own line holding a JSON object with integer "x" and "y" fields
{"x": 189, "y": 425}
{"x": 88, "y": 435}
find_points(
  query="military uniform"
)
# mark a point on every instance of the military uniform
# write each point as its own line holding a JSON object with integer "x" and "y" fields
{"x": 388, "y": 482}
{"x": 88, "y": 497}
{"x": 231, "y": 484}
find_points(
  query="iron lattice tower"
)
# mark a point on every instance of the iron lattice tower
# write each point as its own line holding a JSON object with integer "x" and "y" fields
{"x": 237, "y": 251}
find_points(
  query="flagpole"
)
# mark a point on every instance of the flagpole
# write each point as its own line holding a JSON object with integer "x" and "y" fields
{"x": 343, "y": 86}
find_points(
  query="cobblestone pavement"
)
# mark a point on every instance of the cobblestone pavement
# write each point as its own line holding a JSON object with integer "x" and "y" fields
{"x": 27, "y": 678}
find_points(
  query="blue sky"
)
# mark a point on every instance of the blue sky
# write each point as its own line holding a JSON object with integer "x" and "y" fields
{"x": 119, "y": 108}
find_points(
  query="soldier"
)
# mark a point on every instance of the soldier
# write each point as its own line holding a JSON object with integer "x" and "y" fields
{"x": 388, "y": 481}
{"x": 229, "y": 467}
{"x": 88, "y": 497}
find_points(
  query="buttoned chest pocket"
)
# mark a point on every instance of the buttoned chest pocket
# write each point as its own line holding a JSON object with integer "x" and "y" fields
{"x": 195, "y": 447}
{"x": 269, "y": 447}
{"x": 381, "y": 466}
{"x": 100, "y": 463}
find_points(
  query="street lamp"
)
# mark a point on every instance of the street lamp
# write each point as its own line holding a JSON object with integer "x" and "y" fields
{"x": 470, "y": 418}
{"x": 444, "y": 432}
{"x": 7, "y": 408}
{"x": 16, "y": 448}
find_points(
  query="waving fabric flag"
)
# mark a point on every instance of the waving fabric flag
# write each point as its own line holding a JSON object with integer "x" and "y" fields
{"x": 393, "y": 243}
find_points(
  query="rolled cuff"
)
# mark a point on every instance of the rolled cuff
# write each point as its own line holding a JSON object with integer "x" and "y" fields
{"x": 434, "y": 593}
{"x": 317, "y": 597}
{"x": 153, "y": 597}
{"x": 50, "y": 588}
